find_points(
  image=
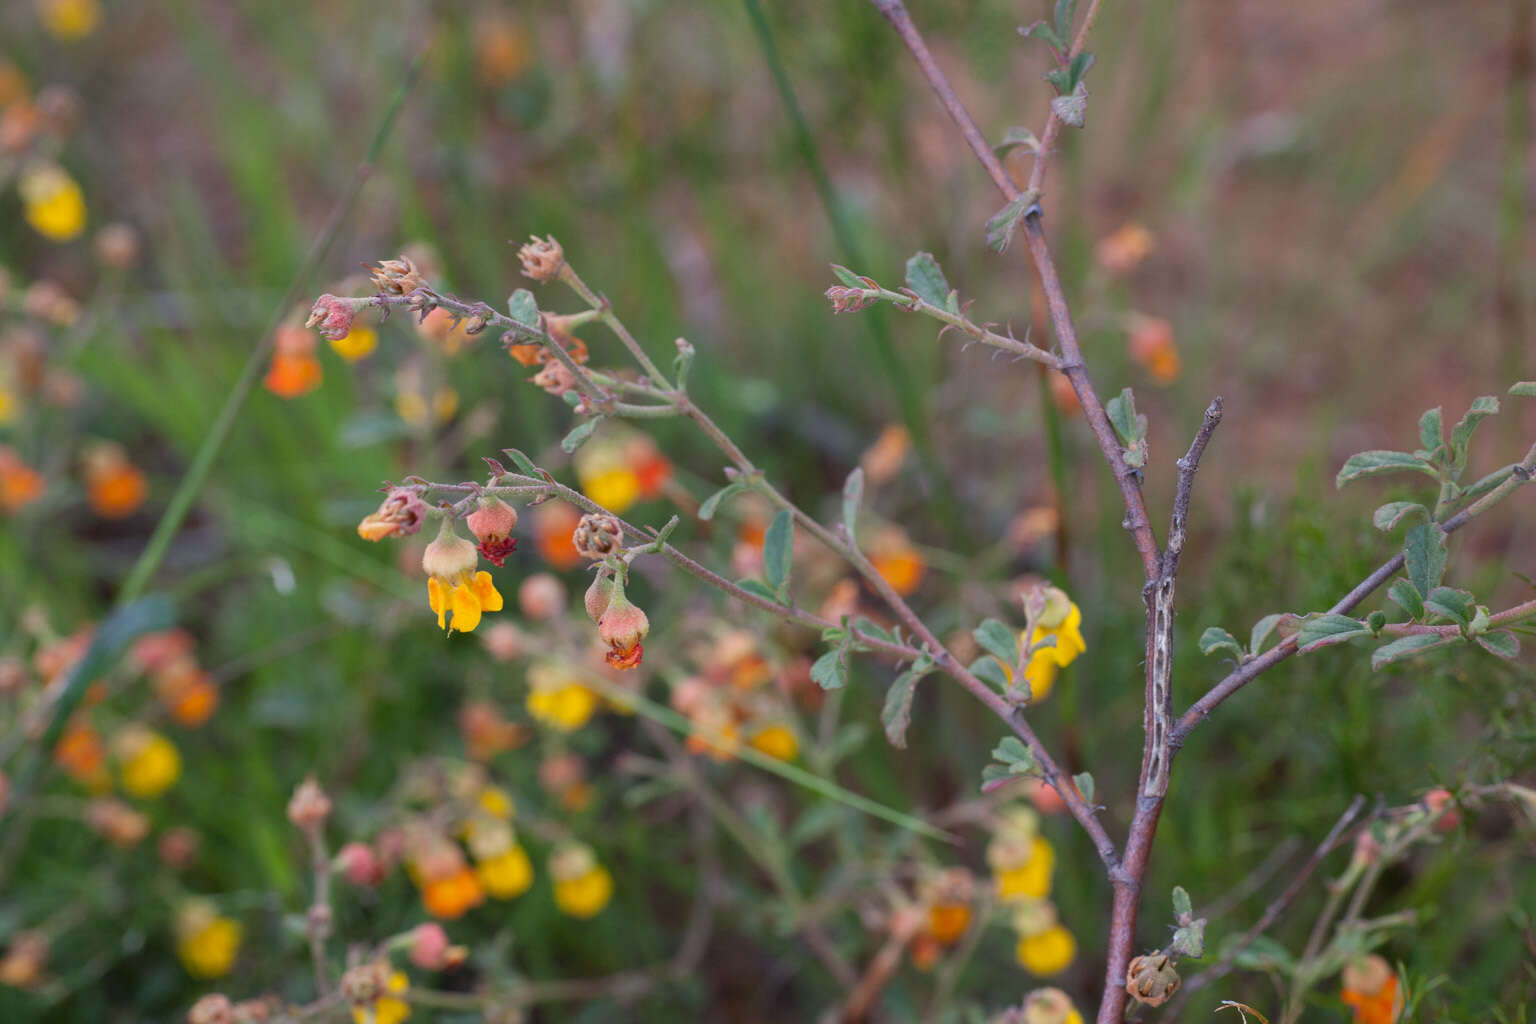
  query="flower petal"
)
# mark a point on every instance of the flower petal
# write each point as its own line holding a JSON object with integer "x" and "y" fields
{"x": 438, "y": 600}
{"x": 466, "y": 608}
{"x": 485, "y": 590}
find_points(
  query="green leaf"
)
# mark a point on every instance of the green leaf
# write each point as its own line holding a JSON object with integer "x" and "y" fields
{"x": 1129, "y": 426}
{"x": 1084, "y": 783}
{"x": 758, "y": 588}
{"x": 1524, "y": 389}
{"x": 870, "y": 629}
{"x": 1261, "y": 631}
{"x": 712, "y": 503}
{"x": 998, "y": 639}
{"x": 1326, "y": 630}
{"x": 1002, "y": 224}
{"x": 1014, "y": 138}
{"x": 1216, "y": 639}
{"x": 1485, "y": 485}
{"x": 1406, "y": 646}
{"x": 853, "y": 497}
{"x": 1393, "y": 512}
{"x": 524, "y": 464}
{"x": 896, "y": 716}
{"x": 1461, "y": 434}
{"x": 926, "y": 278}
{"x": 579, "y": 434}
{"x": 830, "y": 671}
{"x": 1409, "y": 599}
{"x": 1189, "y": 939}
{"x": 1374, "y": 463}
{"x": 1046, "y": 31}
{"x": 1431, "y": 429}
{"x": 1181, "y": 905}
{"x": 1072, "y": 108}
{"x": 522, "y": 308}
{"x": 848, "y": 277}
{"x": 778, "y": 549}
{"x": 1501, "y": 642}
{"x": 1453, "y": 604}
{"x": 1011, "y": 751}
{"x": 1376, "y": 621}
{"x": 990, "y": 672}
{"x": 1424, "y": 557}
{"x": 1066, "y": 10}
{"x": 1077, "y": 69}
{"x": 1264, "y": 954}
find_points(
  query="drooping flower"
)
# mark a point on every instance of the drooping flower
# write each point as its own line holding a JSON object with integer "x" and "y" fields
{"x": 492, "y": 524}
{"x": 1370, "y": 986}
{"x": 1063, "y": 620}
{"x": 148, "y": 763}
{"x": 557, "y": 700}
{"x": 506, "y": 875}
{"x": 777, "y": 740}
{"x": 542, "y": 258}
{"x": 583, "y": 887}
{"x": 1048, "y": 952}
{"x": 622, "y": 627}
{"x": 206, "y": 942}
{"x": 453, "y": 584}
{"x": 895, "y": 559}
{"x": 294, "y": 370}
{"x": 399, "y": 515}
{"x": 373, "y": 992}
{"x": 358, "y": 343}
{"x": 1050, "y": 1006}
{"x": 114, "y": 486}
{"x": 52, "y": 202}
{"x": 20, "y": 484}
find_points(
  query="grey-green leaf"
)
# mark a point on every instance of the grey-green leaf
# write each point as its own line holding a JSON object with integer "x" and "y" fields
{"x": 1084, "y": 783}
{"x": 990, "y": 672}
{"x": 1015, "y": 137}
{"x": 1129, "y": 426}
{"x": 830, "y": 671}
{"x": 853, "y": 497}
{"x": 1374, "y": 463}
{"x": 1393, "y": 512}
{"x": 1409, "y": 599}
{"x": 1181, "y": 904}
{"x": 1450, "y": 603}
{"x": 847, "y": 276}
{"x": 1524, "y": 389}
{"x": 896, "y": 716}
{"x": 1261, "y": 631}
{"x": 1461, "y": 434}
{"x": 1424, "y": 557}
{"x": 1215, "y": 639}
{"x": 759, "y": 589}
{"x": 1407, "y": 646}
{"x": 1189, "y": 939}
{"x": 1328, "y": 629}
{"x": 778, "y": 549}
{"x": 524, "y": 464}
{"x": 1501, "y": 642}
{"x": 1431, "y": 429}
{"x": 712, "y": 503}
{"x": 522, "y": 308}
{"x": 999, "y": 640}
{"x": 579, "y": 434}
{"x": 926, "y": 278}
{"x": 1011, "y": 751}
{"x": 1002, "y": 224}
{"x": 1072, "y": 108}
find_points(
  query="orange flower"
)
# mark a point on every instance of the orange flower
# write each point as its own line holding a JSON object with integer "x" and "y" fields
{"x": 1152, "y": 347}
{"x": 188, "y": 693}
{"x": 553, "y": 525}
{"x": 1122, "y": 251}
{"x": 114, "y": 486}
{"x": 1371, "y": 987}
{"x": 453, "y": 895}
{"x": 20, "y": 484}
{"x": 502, "y": 50}
{"x": 83, "y": 757}
{"x": 948, "y": 922}
{"x": 894, "y": 558}
{"x": 291, "y": 376}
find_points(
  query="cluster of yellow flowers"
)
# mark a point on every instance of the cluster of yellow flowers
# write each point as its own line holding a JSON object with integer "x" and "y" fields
{"x": 1023, "y": 863}
{"x": 739, "y": 695}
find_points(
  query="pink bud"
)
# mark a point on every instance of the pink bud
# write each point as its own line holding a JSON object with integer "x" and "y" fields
{"x": 492, "y": 523}
{"x": 429, "y": 946}
{"x": 333, "y": 316}
{"x": 359, "y": 865}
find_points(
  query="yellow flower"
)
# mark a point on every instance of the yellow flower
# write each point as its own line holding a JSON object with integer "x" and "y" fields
{"x": 10, "y": 407}
{"x": 54, "y": 204}
{"x": 358, "y": 343}
{"x": 494, "y": 801}
{"x": 389, "y": 1009}
{"x": 776, "y": 741}
{"x": 149, "y": 763}
{"x": 453, "y": 584}
{"x": 1045, "y": 663}
{"x": 69, "y": 20}
{"x": 557, "y": 700}
{"x": 582, "y": 885}
{"x": 208, "y": 943}
{"x": 1029, "y": 879}
{"x": 1049, "y": 952}
{"x": 616, "y": 489}
{"x": 506, "y": 875}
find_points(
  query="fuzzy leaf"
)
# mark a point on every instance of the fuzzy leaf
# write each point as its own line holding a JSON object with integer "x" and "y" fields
{"x": 1189, "y": 939}
{"x": 1072, "y": 108}
{"x": 1450, "y": 603}
{"x": 1407, "y": 646}
{"x": 522, "y": 308}
{"x": 1373, "y": 463}
{"x": 1326, "y": 630}
{"x": 1524, "y": 389}
{"x": 999, "y": 640}
{"x": 1461, "y": 434}
{"x": 579, "y": 434}
{"x": 1431, "y": 429}
{"x": 1181, "y": 904}
{"x": 990, "y": 672}
{"x": 1261, "y": 631}
{"x": 1002, "y": 224}
{"x": 830, "y": 671}
{"x": 1129, "y": 426}
{"x": 1424, "y": 557}
{"x": 1084, "y": 783}
{"x": 524, "y": 464}
{"x": 896, "y": 716}
{"x": 847, "y": 276}
{"x": 853, "y": 496}
{"x": 1393, "y": 512}
{"x": 1409, "y": 599}
{"x": 779, "y": 549}
{"x": 759, "y": 589}
{"x": 1012, "y": 752}
{"x": 1216, "y": 639}
{"x": 712, "y": 503}
{"x": 1014, "y": 138}
{"x": 926, "y": 277}
{"x": 1501, "y": 642}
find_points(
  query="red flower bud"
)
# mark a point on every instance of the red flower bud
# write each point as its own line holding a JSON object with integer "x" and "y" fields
{"x": 333, "y": 315}
{"x": 622, "y": 627}
{"x": 492, "y": 523}
{"x": 360, "y": 865}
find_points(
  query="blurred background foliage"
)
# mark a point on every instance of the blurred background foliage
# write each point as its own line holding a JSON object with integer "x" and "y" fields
{"x": 1337, "y": 196}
